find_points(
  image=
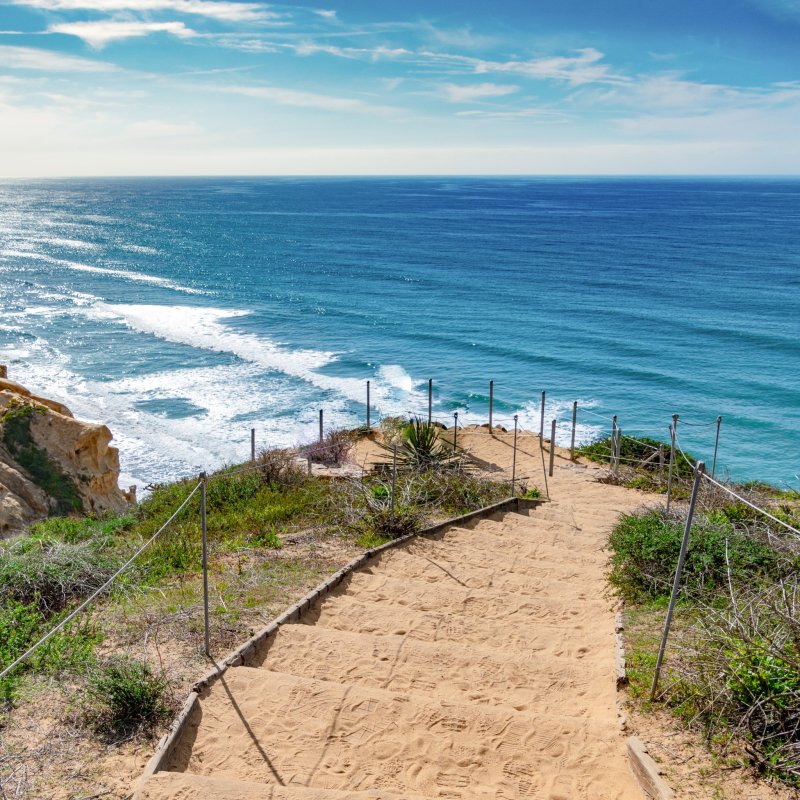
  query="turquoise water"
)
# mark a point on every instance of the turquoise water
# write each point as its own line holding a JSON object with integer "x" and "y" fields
{"x": 183, "y": 312}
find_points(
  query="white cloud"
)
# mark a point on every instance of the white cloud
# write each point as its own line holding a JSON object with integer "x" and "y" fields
{"x": 467, "y": 94}
{"x": 578, "y": 70}
{"x": 357, "y": 53}
{"x": 222, "y": 10}
{"x": 301, "y": 99}
{"x": 326, "y": 13}
{"x": 47, "y": 61}
{"x": 99, "y": 34}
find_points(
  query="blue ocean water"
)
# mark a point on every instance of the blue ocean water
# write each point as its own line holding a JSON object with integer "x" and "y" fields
{"x": 183, "y": 312}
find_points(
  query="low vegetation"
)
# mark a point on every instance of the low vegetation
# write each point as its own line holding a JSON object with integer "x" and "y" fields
{"x": 733, "y": 660}
{"x": 640, "y": 466}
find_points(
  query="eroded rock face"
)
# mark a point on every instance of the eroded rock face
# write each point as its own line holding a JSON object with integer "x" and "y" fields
{"x": 51, "y": 462}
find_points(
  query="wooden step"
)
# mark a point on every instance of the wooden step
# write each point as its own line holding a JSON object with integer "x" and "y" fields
{"x": 572, "y": 684}
{"x": 497, "y": 603}
{"x": 181, "y": 786}
{"x": 355, "y": 614}
{"x": 268, "y": 727}
{"x": 419, "y": 562}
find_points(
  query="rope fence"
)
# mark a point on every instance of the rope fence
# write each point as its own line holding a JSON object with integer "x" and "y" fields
{"x": 612, "y": 449}
{"x": 100, "y": 590}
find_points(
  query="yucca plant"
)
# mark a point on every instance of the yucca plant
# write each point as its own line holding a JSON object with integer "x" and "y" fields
{"x": 420, "y": 449}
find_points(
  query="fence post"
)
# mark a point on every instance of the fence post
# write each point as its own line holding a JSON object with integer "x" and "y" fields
{"x": 672, "y": 431}
{"x": 309, "y": 465}
{"x": 321, "y": 435}
{"x": 514, "y": 461}
{"x": 676, "y": 583}
{"x": 491, "y": 403}
{"x": 613, "y": 440}
{"x": 430, "y": 399}
{"x": 541, "y": 424}
{"x": 204, "y": 534}
{"x": 574, "y": 425}
{"x": 552, "y": 447}
{"x": 618, "y": 452}
{"x": 368, "y": 425}
{"x": 394, "y": 473}
{"x": 455, "y": 429}
{"x": 253, "y": 445}
{"x": 716, "y": 445}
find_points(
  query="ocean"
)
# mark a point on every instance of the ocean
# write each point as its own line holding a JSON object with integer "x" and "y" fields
{"x": 184, "y": 312}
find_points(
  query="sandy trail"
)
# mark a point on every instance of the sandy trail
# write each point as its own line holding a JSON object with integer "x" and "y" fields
{"x": 476, "y": 664}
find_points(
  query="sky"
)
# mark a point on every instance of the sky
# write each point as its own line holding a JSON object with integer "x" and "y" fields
{"x": 536, "y": 87}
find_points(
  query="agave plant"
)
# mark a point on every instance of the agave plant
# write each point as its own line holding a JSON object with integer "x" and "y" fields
{"x": 421, "y": 449}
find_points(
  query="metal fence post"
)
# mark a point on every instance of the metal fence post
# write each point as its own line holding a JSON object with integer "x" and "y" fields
{"x": 574, "y": 426}
{"x": 514, "y": 461}
{"x": 455, "y": 429}
{"x": 204, "y": 534}
{"x": 617, "y": 452}
{"x": 716, "y": 445}
{"x": 676, "y": 583}
{"x": 394, "y": 472}
{"x": 321, "y": 435}
{"x": 430, "y": 399}
{"x": 672, "y": 431}
{"x": 491, "y": 403}
{"x": 368, "y": 425}
{"x": 252, "y": 444}
{"x": 613, "y": 439}
{"x": 541, "y": 424}
{"x": 552, "y": 447}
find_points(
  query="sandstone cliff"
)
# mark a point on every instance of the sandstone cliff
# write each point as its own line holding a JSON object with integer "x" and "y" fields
{"x": 51, "y": 463}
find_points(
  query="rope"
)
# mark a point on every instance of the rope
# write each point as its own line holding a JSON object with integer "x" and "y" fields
{"x": 752, "y": 505}
{"x": 99, "y": 591}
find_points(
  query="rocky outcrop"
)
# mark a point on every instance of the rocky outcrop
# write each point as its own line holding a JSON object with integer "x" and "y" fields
{"x": 50, "y": 462}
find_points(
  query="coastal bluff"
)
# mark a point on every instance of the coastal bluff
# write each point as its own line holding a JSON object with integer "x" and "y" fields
{"x": 50, "y": 462}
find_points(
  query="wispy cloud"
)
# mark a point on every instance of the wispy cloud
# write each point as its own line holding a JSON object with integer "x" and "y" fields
{"x": 309, "y": 48}
{"x": 455, "y": 93}
{"x": 47, "y": 61}
{"x": 99, "y": 34}
{"x": 577, "y": 70}
{"x": 302, "y": 99}
{"x": 222, "y": 10}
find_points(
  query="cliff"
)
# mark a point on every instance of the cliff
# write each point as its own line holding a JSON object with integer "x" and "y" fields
{"x": 50, "y": 462}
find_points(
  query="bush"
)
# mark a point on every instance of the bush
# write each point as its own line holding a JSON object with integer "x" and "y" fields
{"x": 21, "y": 625}
{"x": 420, "y": 449}
{"x": 645, "y": 552}
{"x": 131, "y": 695}
{"x": 51, "y": 573}
{"x": 333, "y": 449}
{"x": 737, "y": 670}
{"x": 279, "y": 468}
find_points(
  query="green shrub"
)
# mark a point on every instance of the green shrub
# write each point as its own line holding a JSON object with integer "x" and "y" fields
{"x": 131, "y": 694}
{"x": 51, "y": 573}
{"x": 420, "y": 449}
{"x": 22, "y": 625}
{"x": 645, "y": 552}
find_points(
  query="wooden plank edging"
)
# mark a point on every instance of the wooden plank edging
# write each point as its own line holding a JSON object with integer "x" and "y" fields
{"x": 645, "y": 771}
{"x": 292, "y": 614}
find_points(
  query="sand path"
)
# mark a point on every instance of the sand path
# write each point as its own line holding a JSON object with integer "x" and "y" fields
{"x": 477, "y": 664}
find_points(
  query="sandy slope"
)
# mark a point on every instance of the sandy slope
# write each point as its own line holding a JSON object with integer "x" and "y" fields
{"x": 479, "y": 664}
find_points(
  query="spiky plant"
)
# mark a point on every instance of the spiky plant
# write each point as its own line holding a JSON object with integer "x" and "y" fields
{"x": 420, "y": 449}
